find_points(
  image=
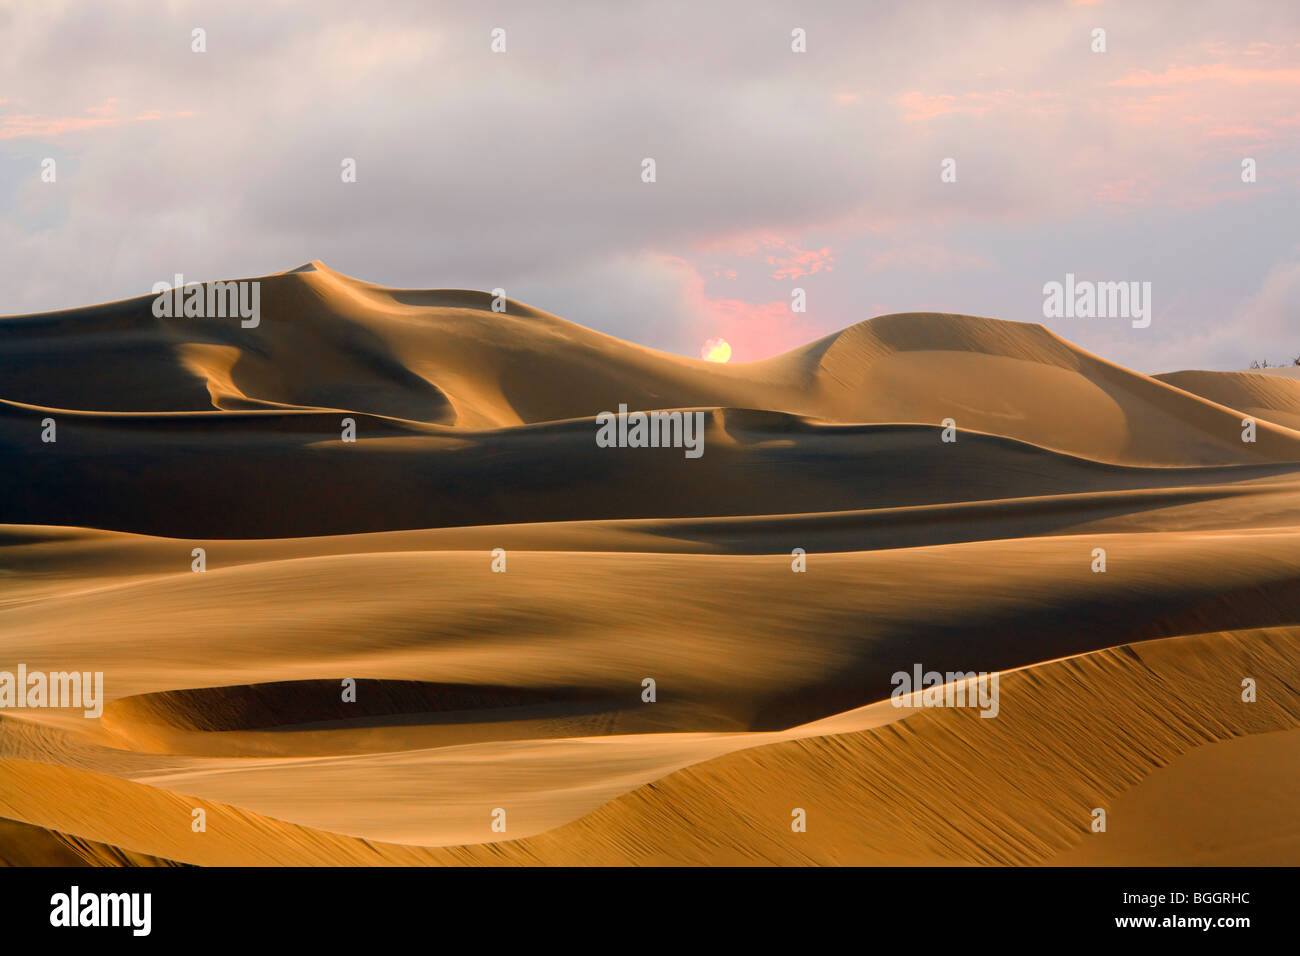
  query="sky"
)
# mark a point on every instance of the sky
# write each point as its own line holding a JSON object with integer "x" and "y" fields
{"x": 775, "y": 170}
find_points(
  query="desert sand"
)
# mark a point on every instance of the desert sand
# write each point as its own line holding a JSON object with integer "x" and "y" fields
{"x": 479, "y": 691}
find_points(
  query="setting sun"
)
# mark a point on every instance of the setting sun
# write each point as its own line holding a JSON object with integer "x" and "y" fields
{"x": 715, "y": 350}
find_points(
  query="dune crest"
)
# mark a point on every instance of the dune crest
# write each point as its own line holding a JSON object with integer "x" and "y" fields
{"x": 444, "y": 357}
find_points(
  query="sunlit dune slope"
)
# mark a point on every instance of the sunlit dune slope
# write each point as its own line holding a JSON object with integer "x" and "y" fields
{"x": 930, "y": 787}
{"x": 948, "y": 787}
{"x": 246, "y": 661}
{"x": 1274, "y": 398}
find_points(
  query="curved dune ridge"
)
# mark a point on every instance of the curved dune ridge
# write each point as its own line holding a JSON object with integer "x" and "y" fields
{"x": 1272, "y": 397}
{"x": 398, "y": 642}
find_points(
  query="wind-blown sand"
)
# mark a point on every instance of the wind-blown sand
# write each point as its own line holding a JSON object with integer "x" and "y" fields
{"x": 522, "y": 691}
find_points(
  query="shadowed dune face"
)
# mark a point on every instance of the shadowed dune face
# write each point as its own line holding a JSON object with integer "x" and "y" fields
{"x": 359, "y": 651}
{"x": 303, "y": 704}
{"x": 287, "y": 474}
{"x": 260, "y": 706}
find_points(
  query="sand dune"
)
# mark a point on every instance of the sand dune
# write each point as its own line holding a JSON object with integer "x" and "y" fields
{"x": 273, "y": 474}
{"x": 936, "y": 787}
{"x": 328, "y": 341}
{"x": 372, "y": 561}
{"x": 1274, "y": 398}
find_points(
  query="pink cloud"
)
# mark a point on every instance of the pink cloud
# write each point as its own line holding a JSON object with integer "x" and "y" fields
{"x": 788, "y": 260}
{"x": 922, "y": 107}
{"x": 1211, "y": 110}
{"x": 796, "y": 262}
{"x": 16, "y": 125}
{"x": 28, "y": 124}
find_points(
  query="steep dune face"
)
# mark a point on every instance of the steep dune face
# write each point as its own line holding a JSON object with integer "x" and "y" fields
{"x": 1274, "y": 398}
{"x": 1022, "y": 381}
{"x": 496, "y": 590}
{"x": 312, "y": 347}
{"x": 945, "y": 787}
{"x": 22, "y": 844}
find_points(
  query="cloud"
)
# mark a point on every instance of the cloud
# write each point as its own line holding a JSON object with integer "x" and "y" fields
{"x": 786, "y": 259}
{"x": 522, "y": 170}
{"x": 920, "y": 106}
{"x": 14, "y": 125}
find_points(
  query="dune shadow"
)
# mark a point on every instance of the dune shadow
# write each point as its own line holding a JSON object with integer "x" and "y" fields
{"x": 319, "y": 704}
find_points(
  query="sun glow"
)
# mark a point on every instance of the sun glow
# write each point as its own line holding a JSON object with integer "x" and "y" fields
{"x": 715, "y": 350}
